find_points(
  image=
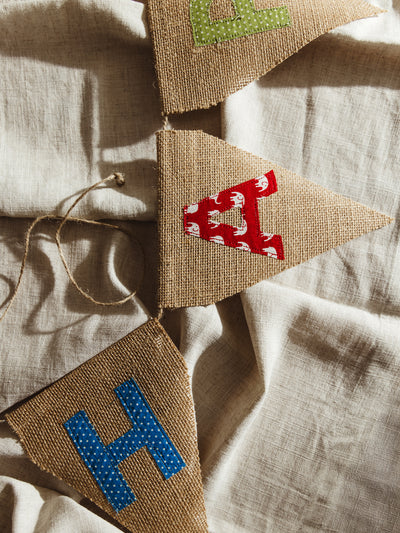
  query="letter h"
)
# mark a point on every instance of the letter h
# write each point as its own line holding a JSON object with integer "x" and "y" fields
{"x": 103, "y": 461}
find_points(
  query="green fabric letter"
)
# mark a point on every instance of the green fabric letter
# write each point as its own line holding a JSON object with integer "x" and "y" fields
{"x": 247, "y": 21}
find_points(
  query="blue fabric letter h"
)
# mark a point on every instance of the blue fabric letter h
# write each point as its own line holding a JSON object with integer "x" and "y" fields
{"x": 103, "y": 461}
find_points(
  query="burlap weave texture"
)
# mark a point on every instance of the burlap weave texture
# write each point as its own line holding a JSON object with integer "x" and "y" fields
{"x": 193, "y": 77}
{"x": 148, "y": 355}
{"x": 310, "y": 219}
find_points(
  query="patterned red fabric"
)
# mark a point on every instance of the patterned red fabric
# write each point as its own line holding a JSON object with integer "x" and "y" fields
{"x": 198, "y": 218}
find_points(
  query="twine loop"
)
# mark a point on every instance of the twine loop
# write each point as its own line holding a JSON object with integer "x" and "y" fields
{"x": 119, "y": 179}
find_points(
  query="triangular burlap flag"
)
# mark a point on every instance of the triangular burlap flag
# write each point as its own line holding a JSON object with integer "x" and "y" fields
{"x": 286, "y": 219}
{"x": 121, "y": 430}
{"x": 206, "y": 50}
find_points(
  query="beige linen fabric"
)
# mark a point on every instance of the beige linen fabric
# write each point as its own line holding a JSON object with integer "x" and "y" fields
{"x": 295, "y": 381}
{"x": 51, "y": 329}
{"x": 80, "y": 70}
{"x": 307, "y": 438}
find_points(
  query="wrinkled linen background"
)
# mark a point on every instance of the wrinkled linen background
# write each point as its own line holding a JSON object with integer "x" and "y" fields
{"x": 295, "y": 380}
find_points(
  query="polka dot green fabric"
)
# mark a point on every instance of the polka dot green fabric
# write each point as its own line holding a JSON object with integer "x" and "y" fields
{"x": 247, "y": 21}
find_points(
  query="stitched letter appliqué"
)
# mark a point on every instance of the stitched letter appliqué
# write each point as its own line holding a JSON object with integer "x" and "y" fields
{"x": 247, "y": 21}
{"x": 86, "y": 428}
{"x": 198, "y": 218}
{"x": 103, "y": 461}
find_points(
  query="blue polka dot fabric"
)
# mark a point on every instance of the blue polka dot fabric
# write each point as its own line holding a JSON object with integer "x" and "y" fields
{"x": 100, "y": 462}
{"x": 103, "y": 461}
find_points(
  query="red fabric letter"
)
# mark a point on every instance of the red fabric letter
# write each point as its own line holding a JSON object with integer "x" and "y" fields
{"x": 198, "y": 218}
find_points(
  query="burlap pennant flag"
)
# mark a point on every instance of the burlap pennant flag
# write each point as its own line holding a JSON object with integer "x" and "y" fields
{"x": 206, "y": 50}
{"x": 121, "y": 430}
{"x": 282, "y": 219}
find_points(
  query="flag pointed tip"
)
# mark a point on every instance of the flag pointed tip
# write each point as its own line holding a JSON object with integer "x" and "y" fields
{"x": 379, "y": 220}
{"x": 386, "y": 220}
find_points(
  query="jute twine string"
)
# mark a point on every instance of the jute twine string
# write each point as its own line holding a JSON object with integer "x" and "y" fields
{"x": 166, "y": 123}
{"x": 120, "y": 181}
